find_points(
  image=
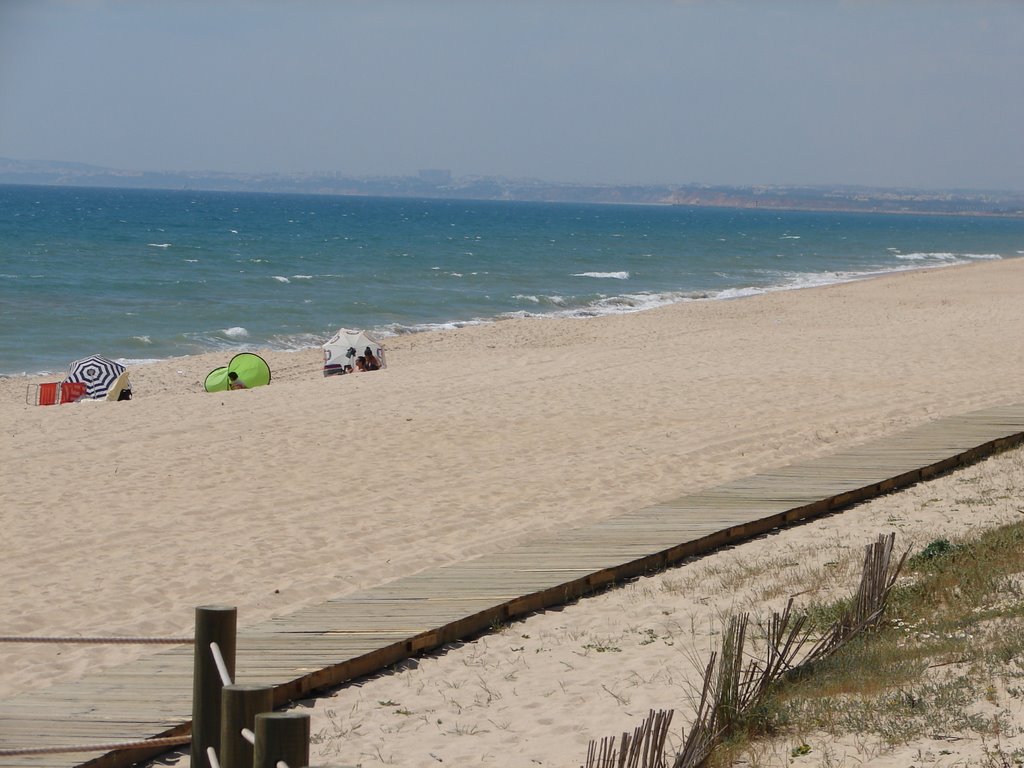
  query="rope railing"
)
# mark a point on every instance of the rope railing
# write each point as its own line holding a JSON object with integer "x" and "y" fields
{"x": 97, "y": 640}
{"x": 222, "y": 667}
{"x": 218, "y": 705}
{"x": 170, "y": 741}
{"x": 157, "y": 744}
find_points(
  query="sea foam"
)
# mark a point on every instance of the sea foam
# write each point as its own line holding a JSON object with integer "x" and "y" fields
{"x": 611, "y": 275}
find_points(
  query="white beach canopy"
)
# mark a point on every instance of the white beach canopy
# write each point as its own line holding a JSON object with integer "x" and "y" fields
{"x": 345, "y": 347}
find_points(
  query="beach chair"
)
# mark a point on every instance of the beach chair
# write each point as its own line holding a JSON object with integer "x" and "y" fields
{"x": 71, "y": 391}
{"x": 43, "y": 394}
{"x": 55, "y": 393}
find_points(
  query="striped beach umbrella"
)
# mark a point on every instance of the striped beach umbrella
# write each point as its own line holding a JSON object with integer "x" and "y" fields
{"x": 98, "y": 374}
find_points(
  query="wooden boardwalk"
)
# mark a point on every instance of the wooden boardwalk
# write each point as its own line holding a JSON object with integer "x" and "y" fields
{"x": 367, "y": 631}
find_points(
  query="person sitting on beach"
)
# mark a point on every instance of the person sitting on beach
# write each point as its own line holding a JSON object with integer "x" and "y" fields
{"x": 360, "y": 363}
{"x": 372, "y": 363}
{"x": 234, "y": 382}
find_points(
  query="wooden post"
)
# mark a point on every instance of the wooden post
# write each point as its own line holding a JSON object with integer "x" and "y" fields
{"x": 281, "y": 736}
{"x": 239, "y": 706}
{"x": 214, "y": 624}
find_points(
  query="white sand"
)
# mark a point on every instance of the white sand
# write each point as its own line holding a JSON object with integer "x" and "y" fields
{"x": 119, "y": 518}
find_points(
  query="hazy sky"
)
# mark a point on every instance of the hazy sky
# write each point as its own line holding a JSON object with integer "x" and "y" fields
{"x": 923, "y": 94}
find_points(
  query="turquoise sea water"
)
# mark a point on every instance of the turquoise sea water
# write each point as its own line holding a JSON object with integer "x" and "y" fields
{"x": 141, "y": 275}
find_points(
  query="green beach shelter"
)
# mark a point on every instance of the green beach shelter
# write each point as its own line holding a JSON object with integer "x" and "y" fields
{"x": 252, "y": 371}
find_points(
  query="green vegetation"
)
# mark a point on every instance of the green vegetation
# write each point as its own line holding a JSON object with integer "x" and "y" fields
{"x": 953, "y": 634}
{"x": 929, "y": 648}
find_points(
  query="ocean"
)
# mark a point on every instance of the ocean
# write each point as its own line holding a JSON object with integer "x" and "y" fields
{"x": 142, "y": 275}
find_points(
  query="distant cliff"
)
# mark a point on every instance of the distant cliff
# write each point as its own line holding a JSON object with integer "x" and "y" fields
{"x": 440, "y": 184}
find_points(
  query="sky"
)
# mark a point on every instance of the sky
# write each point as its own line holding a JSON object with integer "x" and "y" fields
{"x": 922, "y": 94}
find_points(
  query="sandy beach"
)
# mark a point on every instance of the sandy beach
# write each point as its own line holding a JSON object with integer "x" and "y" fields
{"x": 120, "y": 518}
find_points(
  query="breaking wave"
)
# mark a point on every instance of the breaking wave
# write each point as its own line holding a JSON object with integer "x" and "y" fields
{"x": 611, "y": 275}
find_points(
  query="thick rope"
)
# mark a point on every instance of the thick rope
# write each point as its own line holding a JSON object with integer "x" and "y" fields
{"x": 112, "y": 640}
{"x": 171, "y": 741}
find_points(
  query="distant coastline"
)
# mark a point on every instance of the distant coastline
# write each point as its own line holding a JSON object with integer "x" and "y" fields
{"x": 440, "y": 184}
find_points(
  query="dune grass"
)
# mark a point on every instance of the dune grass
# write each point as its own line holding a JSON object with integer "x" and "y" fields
{"x": 947, "y": 660}
{"x": 941, "y": 659}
